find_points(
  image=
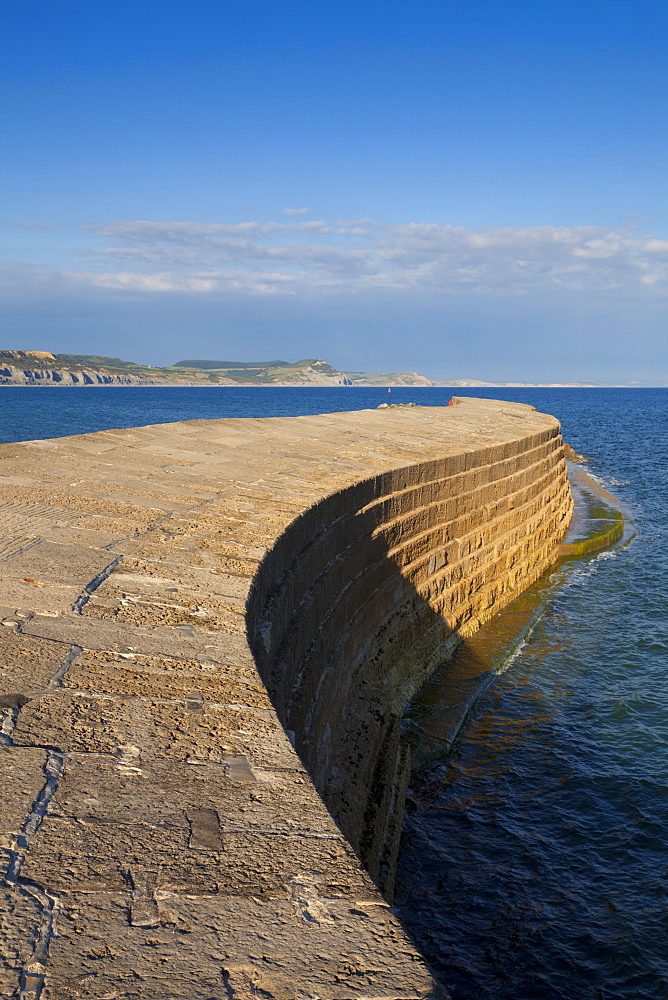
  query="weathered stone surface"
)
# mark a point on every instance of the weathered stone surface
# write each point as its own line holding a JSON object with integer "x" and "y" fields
{"x": 180, "y": 730}
{"x": 27, "y": 664}
{"x": 307, "y": 947}
{"x": 137, "y": 675}
{"x": 20, "y": 924}
{"x": 171, "y": 598}
{"x": 189, "y": 641}
{"x": 22, "y": 778}
{"x": 51, "y": 562}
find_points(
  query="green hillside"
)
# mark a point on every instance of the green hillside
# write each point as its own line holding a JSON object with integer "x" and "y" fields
{"x": 307, "y": 371}
{"x": 259, "y": 372}
{"x": 211, "y": 365}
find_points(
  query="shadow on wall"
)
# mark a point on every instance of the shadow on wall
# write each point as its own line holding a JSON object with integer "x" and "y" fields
{"x": 369, "y": 590}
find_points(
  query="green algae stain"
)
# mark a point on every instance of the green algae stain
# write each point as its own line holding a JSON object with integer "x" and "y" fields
{"x": 597, "y": 523}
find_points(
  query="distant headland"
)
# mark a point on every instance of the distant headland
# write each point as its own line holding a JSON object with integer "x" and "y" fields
{"x": 42, "y": 368}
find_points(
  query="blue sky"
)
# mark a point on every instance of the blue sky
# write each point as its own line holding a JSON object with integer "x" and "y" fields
{"x": 472, "y": 189}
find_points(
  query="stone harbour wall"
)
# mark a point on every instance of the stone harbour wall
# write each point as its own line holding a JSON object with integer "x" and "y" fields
{"x": 369, "y": 590}
{"x": 209, "y": 632}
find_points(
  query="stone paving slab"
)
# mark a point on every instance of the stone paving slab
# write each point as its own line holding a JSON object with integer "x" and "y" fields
{"x": 189, "y": 641}
{"x": 50, "y": 562}
{"x": 174, "y": 678}
{"x": 97, "y": 856}
{"x": 22, "y": 778}
{"x": 167, "y": 608}
{"x": 178, "y": 730}
{"x": 208, "y": 948}
{"x": 32, "y": 595}
{"x": 27, "y": 664}
{"x": 20, "y": 925}
{"x": 157, "y": 793}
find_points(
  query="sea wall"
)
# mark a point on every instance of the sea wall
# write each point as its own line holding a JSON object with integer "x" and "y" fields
{"x": 185, "y": 604}
{"x": 366, "y": 592}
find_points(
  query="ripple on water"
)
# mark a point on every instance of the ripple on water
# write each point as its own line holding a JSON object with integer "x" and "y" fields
{"x": 535, "y": 858}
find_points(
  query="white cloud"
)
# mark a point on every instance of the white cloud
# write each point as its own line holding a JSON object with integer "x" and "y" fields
{"x": 357, "y": 255}
{"x": 153, "y": 282}
{"x": 31, "y": 225}
{"x": 296, "y": 211}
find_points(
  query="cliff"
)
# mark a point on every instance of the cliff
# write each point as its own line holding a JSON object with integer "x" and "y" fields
{"x": 41, "y": 368}
{"x": 11, "y": 375}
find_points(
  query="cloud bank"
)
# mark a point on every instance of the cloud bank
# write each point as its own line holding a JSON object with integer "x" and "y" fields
{"x": 353, "y": 256}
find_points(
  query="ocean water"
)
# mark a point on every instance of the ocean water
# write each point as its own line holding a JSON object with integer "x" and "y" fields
{"x": 29, "y": 412}
{"x": 535, "y": 857}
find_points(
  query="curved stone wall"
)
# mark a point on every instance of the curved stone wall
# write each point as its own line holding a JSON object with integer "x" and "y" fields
{"x": 368, "y": 590}
{"x": 159, "y": 834}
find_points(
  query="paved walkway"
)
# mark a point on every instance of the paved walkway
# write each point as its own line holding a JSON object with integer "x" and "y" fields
{"x": 159, "y": 837}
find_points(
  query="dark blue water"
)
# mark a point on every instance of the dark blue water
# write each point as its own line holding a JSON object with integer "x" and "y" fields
{"x": 535, "y": 864}
{"x": 535, "y": 859}
{"x": 29, "y": 412}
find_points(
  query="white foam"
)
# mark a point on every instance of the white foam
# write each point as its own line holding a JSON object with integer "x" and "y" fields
{"x": 581, "y": 573}
{"x": 516, "y": 653}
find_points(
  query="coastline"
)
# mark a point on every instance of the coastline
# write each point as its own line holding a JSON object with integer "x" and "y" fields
{"x": 318, "y": 385}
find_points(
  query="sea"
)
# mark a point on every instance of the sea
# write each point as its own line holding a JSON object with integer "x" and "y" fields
{"x": 534, "y": 863}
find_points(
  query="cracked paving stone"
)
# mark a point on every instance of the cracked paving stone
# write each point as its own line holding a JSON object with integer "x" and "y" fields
{"x": 27, "y": 664}
{"x": 51, "y": 562}
{"x": 222, "y": 947}
{"x": 181, "y": 730}
{"x": 165, "y": 677}
{"x": 22, "y": 778}
{"x": 20, "y": 924}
